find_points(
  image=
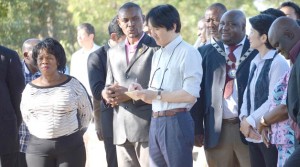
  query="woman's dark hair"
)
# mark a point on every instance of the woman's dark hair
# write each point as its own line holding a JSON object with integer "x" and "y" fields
{"x": 291, "y": 5}
{"x": 262, "y": 23}
{"x": 275, "y": 12}
{"x": 164, "y": 16}
{"x": 53, "y": 47}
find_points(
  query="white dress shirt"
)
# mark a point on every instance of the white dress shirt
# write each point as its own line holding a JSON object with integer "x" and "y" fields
{"x": 78, "y": 67}
{"x": 230, "y": 105}
{"x": 177, "y": 66}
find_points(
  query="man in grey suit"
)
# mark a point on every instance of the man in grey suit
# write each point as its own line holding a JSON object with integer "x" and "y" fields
{"x": 11, "y": 86}
{"x": 128, "y": 62}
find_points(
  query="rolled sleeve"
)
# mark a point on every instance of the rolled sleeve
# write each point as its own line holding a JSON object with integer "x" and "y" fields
{"x": 193, "y": 73}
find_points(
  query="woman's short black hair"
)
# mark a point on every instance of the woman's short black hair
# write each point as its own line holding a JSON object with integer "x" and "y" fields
{"x": 53, "y": 47}
{"x": 164, "y": 16}
{"x": 262, "y": 23}
{"x": 272, "y": 11}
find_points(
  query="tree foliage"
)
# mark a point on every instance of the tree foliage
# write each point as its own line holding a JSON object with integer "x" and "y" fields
{"x": 23, "y": 19}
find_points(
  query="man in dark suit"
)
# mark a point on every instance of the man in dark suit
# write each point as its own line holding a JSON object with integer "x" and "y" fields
{"x": 128, "y": 62}
{"x": 223, "y": 84}
{"x": 11, "y": 86}
{"x": 284, "y": 35}
{"x": 97, "y": 70}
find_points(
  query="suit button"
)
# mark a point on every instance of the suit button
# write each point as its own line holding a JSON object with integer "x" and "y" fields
{"x": 127, "y": 77}
{"x": 220, "y": 106}
{"x": 126, "y": 107}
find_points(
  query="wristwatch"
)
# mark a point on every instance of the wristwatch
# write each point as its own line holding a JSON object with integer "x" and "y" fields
{"x": 263, "y": 122}
{"x": 158, "y": 97}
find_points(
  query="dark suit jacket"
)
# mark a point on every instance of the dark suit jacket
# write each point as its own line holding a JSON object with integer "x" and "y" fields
{"x": 131, "y": 118}
{"x": 11, "y": 86}
{"x": 293, "y": 100}
{"x": 97, "y": 69}
{"x": 212, "y": 88}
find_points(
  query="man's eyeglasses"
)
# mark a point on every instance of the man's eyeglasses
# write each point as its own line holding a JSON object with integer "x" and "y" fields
{"x": 159, "y": 88}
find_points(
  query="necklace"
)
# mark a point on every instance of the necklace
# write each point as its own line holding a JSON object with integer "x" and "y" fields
{"x": 232, "y": 72}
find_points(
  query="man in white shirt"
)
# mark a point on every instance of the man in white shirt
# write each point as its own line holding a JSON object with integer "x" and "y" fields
{"x": 174, "y": 85}
{"x": 85, "y": 39}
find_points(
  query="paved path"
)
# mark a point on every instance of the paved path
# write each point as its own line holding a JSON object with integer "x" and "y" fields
{"x": 96, "y": 152}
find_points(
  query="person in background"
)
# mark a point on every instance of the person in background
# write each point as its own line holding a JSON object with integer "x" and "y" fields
{"x": 97, "y": 70}
{"x": 284, "y": 35}
{"x": 56, "y": 109}
{"x": 31, "y": 72}
{"x": 130, "y": 61}
{"x": 78, "y": 68}
{"x": 212, "y": 16}
{"x": 174, "y": 85}
{"x": 78, "y": 65}
{"x": 290, "y": 9}
{"x": 11, "y": 86}
{"x": 265, "y": 70}
{"x": 202, "y": 33}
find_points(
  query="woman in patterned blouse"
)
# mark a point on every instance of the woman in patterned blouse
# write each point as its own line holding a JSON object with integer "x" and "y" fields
{"x": 56, "y": 109}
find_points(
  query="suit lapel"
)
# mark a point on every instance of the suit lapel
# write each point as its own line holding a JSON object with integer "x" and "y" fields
{"x": 121, "y": 57}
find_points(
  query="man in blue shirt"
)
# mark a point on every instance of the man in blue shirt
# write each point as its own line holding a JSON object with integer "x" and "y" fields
{"x": 30, "y": 72}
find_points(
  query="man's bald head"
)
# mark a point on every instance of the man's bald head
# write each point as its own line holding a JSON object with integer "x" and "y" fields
{"x": 232, "y": 27}
{"x": 29, "y": 44}
{"x": 284, "y": 33}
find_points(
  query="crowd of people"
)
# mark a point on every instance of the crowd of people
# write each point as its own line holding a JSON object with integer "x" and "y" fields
{"x": 153, "y": 97}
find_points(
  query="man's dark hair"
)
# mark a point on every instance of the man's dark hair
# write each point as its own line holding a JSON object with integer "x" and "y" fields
{"x": 262, "y": 23}
{"x": 89, "y": 29}
{"x": 292, "y": 5}
{"x": 219, "y": 7}
{"x": 164, "y": 16}
{"x": 53, "y": 47}
{"x": 114, "y": 27}
{"x": 274, "y": 12}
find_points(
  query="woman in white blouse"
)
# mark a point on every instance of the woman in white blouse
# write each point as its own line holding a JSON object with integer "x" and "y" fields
{"x": 56, "y": 109}
{"x": 265, "y": 70}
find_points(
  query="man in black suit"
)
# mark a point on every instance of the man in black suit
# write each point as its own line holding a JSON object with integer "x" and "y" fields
{"x": 284, "y": 35}
{"x": 223, "y": 84}
{"x": 97, "y": 70}
{"x": 11, "y": 86}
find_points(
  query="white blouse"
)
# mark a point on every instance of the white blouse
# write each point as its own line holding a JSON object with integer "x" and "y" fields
{"x": 51, "y": 112}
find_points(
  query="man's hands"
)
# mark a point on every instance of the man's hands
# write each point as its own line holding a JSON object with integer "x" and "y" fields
{"x": 114, "y": 94}
{"x": 248, "y": 130}
{"x": 143, "y": 94}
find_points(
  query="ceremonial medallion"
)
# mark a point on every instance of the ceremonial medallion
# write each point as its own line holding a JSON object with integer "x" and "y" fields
{"x": 232, "y": 73}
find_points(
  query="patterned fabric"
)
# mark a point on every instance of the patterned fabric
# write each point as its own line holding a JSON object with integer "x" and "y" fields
{"x": 281, "y": 131}
{"x": 23, "y": 131}
{"x": 284, "y": 152}
{"x": 52, "y": 112}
